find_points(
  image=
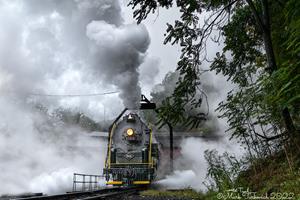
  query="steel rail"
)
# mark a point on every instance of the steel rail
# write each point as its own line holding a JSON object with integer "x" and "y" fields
{"x": 96, "y": 194}
{"x": 102, "y": 196}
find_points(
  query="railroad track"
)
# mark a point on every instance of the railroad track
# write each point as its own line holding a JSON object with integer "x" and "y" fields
{"x": 89, "y": 195}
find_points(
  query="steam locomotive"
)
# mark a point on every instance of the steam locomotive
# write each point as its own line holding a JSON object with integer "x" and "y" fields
{"x": 132, "y": 153}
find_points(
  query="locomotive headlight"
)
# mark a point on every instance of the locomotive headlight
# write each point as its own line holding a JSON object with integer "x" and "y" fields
{"x": 129, "y": 132}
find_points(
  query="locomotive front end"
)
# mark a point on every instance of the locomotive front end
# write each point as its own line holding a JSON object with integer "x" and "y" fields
{"x": 132, "y": 154}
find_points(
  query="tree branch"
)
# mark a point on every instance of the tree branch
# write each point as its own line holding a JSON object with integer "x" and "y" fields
{"x": 269, "y": 138}
{"x": 211, "y": 24}
{"x": 256, "y": 15}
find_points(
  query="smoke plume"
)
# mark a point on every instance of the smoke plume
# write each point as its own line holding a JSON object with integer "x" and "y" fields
{"x": 119, "y": 50}
{"x": 44, "y": 40}
{"x": 60, "y": 47}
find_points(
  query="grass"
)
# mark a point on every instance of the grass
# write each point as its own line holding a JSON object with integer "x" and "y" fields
{"x": 183, "y": 193}
{"x": 274, "y": 174}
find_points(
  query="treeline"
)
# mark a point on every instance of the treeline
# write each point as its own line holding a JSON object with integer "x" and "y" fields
{"x": 71, "y": 117}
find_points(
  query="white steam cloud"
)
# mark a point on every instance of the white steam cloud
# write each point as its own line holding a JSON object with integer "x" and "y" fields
{"x": 67, "y": 47}
{"x": 40, "y": 154}
{"x": 191, "y": 166}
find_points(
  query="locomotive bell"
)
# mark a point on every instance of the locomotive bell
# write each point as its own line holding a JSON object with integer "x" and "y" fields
{"x": 130, "y": 118}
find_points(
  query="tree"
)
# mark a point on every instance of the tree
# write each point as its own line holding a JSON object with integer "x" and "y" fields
{"x": 260, "y": 55}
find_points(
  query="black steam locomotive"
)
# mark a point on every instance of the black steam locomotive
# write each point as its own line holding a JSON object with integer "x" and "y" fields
{"x": 132, "y": 153}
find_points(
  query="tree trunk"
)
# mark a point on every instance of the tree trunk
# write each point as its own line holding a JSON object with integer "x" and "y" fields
{"x": 272, "y": 66}
{"x": 288, "y": 122}
{"x": 263, "y": 22}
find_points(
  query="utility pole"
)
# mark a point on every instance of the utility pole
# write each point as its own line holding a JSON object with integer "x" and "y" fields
{"x": 104, "y": 117}
{"x": 171, "y": 147}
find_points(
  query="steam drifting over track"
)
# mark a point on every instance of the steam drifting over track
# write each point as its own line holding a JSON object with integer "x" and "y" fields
{"x": 88, "y": 195}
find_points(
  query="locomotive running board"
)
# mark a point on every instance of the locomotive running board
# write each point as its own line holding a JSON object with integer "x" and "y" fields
{"x": 114, "y": 183}
{"x": 134, "y": 183}
{"x": 141, "y": 182}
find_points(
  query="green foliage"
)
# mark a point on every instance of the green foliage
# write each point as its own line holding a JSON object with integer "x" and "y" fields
{"x": 223, "y": 171}
{"x": 282, "y": 90}
{"x": 177, "y": 194}
{"x": 284, "y": 84}
{"x": 146, "y": 7}
{"x": 272, "y": 174}
{"x": 264, "y": 176}
{"x": 244, "y": 43}
{"x": 266, "y": 85}
{"x": 254, "y": 109}
{"x": 242, "y": 60}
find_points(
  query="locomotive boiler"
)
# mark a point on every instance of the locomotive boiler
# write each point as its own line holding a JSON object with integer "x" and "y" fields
{"x": 132, "y": 153}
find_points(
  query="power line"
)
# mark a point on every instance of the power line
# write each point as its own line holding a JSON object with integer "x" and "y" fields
{"x": 72, "y": 95}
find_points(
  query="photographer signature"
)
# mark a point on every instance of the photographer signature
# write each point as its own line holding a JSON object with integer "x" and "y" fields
{"x": 241, "y": 193}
